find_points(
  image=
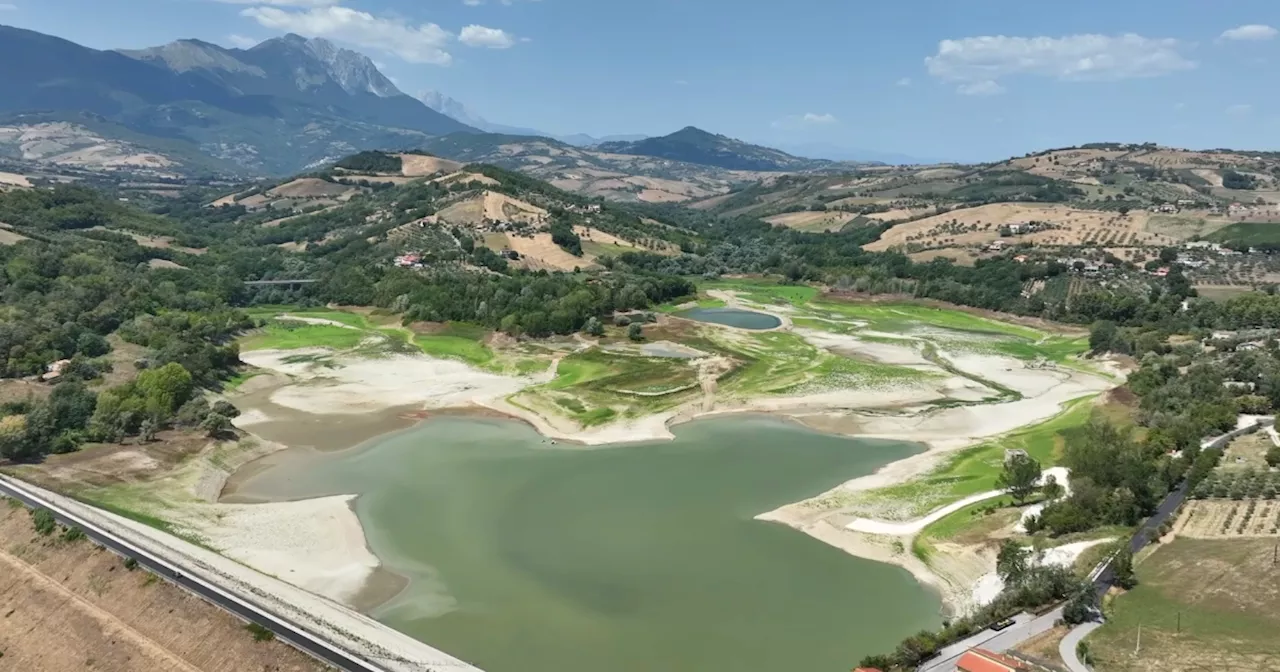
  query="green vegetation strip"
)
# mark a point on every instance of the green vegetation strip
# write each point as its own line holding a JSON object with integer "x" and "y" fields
{"x": 974, "y": 470}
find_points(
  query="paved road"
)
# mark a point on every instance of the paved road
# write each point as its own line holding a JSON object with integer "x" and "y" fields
{"x": 1025, "y": 627}
{"x": 285, "y": 630}
{"x": 1067, "y": 647}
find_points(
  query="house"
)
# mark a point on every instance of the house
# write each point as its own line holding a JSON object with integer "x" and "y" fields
{"x": 996, "y": 245}
{"x": 1021, "y": 258}
{"x": 1018, "y": 229}
{"x": 407, "y": 260}
{"x": 1161, "y": 272}
{"x": 981, "y": 660}
{"x": 1092, "y": 269}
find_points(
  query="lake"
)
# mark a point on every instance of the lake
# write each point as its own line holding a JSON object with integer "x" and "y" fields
{"x": 732, "y": 317}
{"x": 523, "y": 556}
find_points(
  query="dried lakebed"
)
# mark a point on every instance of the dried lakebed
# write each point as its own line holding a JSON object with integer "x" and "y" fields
{"x": 523, "y": 555}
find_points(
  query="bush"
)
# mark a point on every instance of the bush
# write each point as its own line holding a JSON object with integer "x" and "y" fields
{"x": 130, "y": 564}
{"x": 73, "y": 533}
{"x": 260, "y": 634}
{"x": 43, "y": 521}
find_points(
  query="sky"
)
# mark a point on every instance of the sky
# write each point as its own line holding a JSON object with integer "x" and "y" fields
{"x": 965, "y": 80}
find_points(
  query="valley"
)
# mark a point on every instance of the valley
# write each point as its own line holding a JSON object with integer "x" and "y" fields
{"x": 444, "y": 390}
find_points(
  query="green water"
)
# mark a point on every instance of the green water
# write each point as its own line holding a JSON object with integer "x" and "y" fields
{"x": 528, "y": 557}
{"x": 732, "y": 317}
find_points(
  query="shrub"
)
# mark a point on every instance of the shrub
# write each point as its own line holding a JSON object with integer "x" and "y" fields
{"x": 72, "y": 533}
{"x": 260, "y": 634}
{"x": 130, "y": 564}
{"x": 43, "y": 521}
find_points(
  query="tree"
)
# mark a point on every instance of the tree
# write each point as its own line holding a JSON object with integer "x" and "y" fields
{"x": 226, "y": 408}
{"x": 594, "y": 327}
{"x": 635, "y": 332}
{"x": 1019, "y": 476}
{"x": 1051, "y": 489}
{"x": 1273, "y": 456}
{"x": 165, "y": 389}
{"x": 216, "y": 425}
{"x": 1012, "y": 562}
{"x": 1102, "y": 336}
{"x": 1079, "y": 606}
{"x": 147, "y": 430}
{"x": 1169, "y": 255}
{"x": 1122, "y": 565}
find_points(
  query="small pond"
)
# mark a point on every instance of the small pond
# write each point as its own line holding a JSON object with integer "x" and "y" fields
{"x": 732, "y": 317}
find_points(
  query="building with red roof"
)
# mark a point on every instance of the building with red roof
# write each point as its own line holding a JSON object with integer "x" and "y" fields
{"x": 981, "y": 660}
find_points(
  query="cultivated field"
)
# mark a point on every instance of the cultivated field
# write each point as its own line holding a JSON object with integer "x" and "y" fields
{"x": 417, "y": 165}
{"x": 1200, "y": 605}
{"x": 71, "y": 605}
{"x": 1225, "y": 519}
{"x": 812, "y": 221}
{"x": 1062, "y": 225}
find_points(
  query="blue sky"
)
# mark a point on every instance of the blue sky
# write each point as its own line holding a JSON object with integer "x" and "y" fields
{"x": 949, "y": 79}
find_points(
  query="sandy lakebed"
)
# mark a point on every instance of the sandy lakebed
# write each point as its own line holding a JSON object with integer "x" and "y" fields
{"x": 316, "y": 543}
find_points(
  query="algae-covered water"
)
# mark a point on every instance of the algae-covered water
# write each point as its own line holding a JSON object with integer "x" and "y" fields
{"x": 733, "y": 317}
{"x": 524, "y": 556}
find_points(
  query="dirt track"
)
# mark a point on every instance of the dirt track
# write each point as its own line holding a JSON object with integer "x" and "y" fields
{"x": 71, "y": 605}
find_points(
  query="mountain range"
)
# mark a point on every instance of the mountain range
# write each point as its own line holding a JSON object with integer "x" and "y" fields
{"x": 285, "y": 105}
{"x": 282, "y": 105}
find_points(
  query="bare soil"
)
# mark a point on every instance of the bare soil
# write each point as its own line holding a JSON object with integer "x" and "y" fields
{"x": 1068, "y": 226}
{"x": 72, "y": 605}
{"x": 417, "y": 165}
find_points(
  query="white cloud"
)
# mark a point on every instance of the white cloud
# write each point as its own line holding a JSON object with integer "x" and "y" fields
{"x": 1252, "y": 31}
{"x": 1240, "y": 110}
{"x": 806, "y": 120}
{"x": 986, "y": 87}
{"x": 241, "y": 41}
{"x": 681, "y": 82}
{"x": 477, "y": 3}
{"x": 905, "y": 81}
{"x": 283, "y": 3}
{"x": 1179, "y": 106}
{"x": 6, "y": 7}
{"x": 423, "y": 43}
{"x": 822, "y": 119}
{"x": 976, "y": 64}
{"x": 489, "y": 38}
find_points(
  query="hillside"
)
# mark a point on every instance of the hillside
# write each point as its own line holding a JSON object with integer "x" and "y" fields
{"x": 592, "y": 172}
{"x": 694, "y": 145}
{"x": 275, "y": 108}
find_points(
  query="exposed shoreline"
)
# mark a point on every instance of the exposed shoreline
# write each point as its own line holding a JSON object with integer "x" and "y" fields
{"x": 896, "y": 412}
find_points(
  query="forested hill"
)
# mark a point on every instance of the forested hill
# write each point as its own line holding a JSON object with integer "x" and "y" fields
{"x": 116, "y": 313}
{"x": 694, "y": 145}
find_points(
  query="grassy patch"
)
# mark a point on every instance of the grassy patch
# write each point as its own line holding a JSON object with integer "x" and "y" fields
{"x": 974, "y": 470}
{"x": 454, "y": 346}
{"x": 762, "y": 290}
{"x": 1248, "y": 233}
{"x": 904, "y": 316}
{"x": 285, "y": 335}
{"x": 1201, "y": 604}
